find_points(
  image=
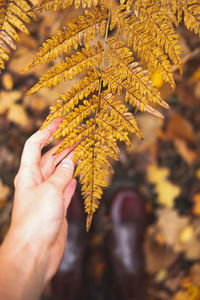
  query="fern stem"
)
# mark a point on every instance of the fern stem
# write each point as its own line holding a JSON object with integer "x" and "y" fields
{"x": 104, "y": 53}
{"x": 89, "y": 217}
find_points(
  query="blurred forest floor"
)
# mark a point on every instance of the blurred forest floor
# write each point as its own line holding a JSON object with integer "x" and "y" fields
{"x": 164, "y": 167}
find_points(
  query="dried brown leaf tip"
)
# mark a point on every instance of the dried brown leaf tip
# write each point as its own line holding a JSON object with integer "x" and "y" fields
{"x": 109, "y": 51}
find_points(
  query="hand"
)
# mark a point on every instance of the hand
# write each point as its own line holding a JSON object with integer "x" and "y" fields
{"x": 43, "y": 193}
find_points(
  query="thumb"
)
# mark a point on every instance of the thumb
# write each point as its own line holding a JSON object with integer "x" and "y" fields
{"x": 69, "y": 192}
{"x": 63, "y": 174}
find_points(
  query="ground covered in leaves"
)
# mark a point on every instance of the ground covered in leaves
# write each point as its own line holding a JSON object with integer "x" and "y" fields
{"x": 164, "y": 167}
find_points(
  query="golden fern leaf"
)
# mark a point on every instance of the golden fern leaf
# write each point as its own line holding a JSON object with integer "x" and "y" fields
{"x": 62, "y": 4}
{"x": 152, "y": 36}
{"x": 119, "y": 112}
{"x": 83, "y": 89}
{"x": 109, "y": 120}
{"x": 122, "y": 58}
{"x": 160, "y": 29}
{"x": 93, "y": 120}
{"x": 79, "y": 134}
{"x": 13, "y": 15}
{"x": 192, "y": 16}
{"x": 54, "y": 4}
{"x": 93, "y": 169}
{"x": 108, "y": 123}
{"x": 85, "y": 29}
{"x": 177, "y": 8}
{"x": 93, "y": 153}
{"x": 146, "y": 48}
{"x": 129, "y": 3}
{"x": 75, "y": 117}
{"x": 96, "y": 141}
{"x": 116, "y": 84}
{"x": 117, "y": 15}
{"x": 74, "y": 65}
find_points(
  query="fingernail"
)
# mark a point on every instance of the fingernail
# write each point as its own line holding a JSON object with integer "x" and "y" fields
{"x": 70, "y": 155}
{"x": 67, "y": 163}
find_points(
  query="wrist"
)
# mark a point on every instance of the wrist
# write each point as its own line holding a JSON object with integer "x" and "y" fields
{"x": 22, "y": 267}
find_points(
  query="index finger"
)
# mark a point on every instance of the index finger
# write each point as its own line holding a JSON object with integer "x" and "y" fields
{"x": 31, "y": 154}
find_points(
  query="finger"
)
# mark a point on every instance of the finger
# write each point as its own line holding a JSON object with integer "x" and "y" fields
{"x": 32, "y": 150}
{"x": 62, "y": 175}
{"x": 49, "y": 161}
{"x": 69, "y": 192}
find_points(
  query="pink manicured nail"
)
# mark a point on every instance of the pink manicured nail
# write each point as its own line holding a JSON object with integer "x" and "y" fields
{"x": 67, "y": 163}
{"x": 70, "y": 155}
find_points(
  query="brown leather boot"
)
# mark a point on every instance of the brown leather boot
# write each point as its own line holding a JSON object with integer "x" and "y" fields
{"x": 125, "y": 245}
{"x": 68, "y": 283}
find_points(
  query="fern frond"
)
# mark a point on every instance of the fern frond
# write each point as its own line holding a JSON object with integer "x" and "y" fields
{"x": 143, "y": 39}
{"x": 152, "y": 36}
{"x": 94, "y": 169}
{"x": 85, "y": 29}
{"x": 128, "y": 3}
{"x": 95, "y": 176}
{"x": 79, "y": 134}
{"x": 75, "y": 117}
{"x": 119, "y": 112}
{"x": 105, "y": 121}
{"x": 13, "y": 15}
{"x": 74, "y": 120}
{"x": 148, "y": 39}
{"x": 74, "y": 65}
{"x": 94, "y": 152}
{"x": 54, "y": 4}
{"x": 161, "y": 30}
{"x": 117, "y": 15}
{"x": 177, "y": 7}
{"x": 62, "y": 4}
{"x": 150, "y": 54}
{"x": 97, "y": 141}
{"x": 83, "y": 89}
{"x": 133, "y": 72}
{"x": 192, "y": 16}
{"x": 116, "y": 84}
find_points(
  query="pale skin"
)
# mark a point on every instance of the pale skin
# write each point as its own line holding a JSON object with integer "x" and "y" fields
{"x": 34, "y": 245}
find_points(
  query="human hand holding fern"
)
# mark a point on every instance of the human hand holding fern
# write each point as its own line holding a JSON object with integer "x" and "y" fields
{"x": 34, "y": 245}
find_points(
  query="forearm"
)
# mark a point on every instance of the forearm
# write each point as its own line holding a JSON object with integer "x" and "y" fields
{"x": 22, "y": 271}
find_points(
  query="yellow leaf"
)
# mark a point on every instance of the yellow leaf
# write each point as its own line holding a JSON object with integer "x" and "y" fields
{"x": 157, "y": 79}
{"x": 196, "y": 207}
{"x": 166, "y": 191}
{"x": 7, "y": 99}
{"x": 180, "y": 296}
{"x": 196, "y": 75}
{"x": 198, "y": 173}
{"x": 180, "y": 232}
{"x": 156, "y": 174}
{"x": 161, "y": 275}
{"x": 7, "y": 81}
{"x": 17, "y": 114}
{"x": 187, "y": 234}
